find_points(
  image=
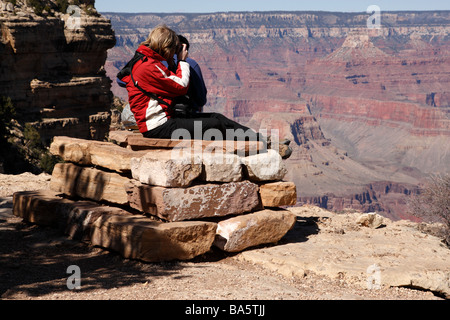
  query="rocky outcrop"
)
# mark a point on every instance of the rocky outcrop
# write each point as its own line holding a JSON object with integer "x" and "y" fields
{"x": 51, "y": 66}
{"x": 349, "y": 249}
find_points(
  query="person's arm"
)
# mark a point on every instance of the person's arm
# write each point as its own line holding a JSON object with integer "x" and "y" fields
{"x": 158, "y": 79}
{"x": 169, "y": 83}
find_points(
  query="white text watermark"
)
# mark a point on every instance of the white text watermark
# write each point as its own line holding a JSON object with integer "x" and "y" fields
{"x": 74, "y": 281}
{"x": 374, "y": 21}
{"x": 73, "y": 22}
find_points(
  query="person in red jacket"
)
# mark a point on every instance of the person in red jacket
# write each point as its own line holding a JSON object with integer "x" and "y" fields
{"x": 153, "y": 88}
{"x": 150, "y": 75}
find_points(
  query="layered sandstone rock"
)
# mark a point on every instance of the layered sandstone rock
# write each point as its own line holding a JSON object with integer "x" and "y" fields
{"x": 242, "y": 232}
{"x": 53, "y": 69}
{"x": 42, "y": 208}
{"x": 142, "y": 239}
{"x": 89, "y": 183}
{"x": 50, "y": 209}
{"x": 93, "y": 153}
{"x": 196, "y": 202}
{"x": 134, "y": 237}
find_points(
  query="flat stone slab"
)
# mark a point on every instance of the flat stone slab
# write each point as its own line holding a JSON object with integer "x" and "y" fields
{"x": 250, "y": 230}
{"x": 132, "y": 236}
{"x": 89, "y": 183}
{"x": 49, "y": 209}
{"x": 202, "y": 201}
{"x": 138, "y": 142}
{"x": 278, "y": 194}
{"x": 94, "y": 153}
{"x": 44, "y": 208}
{"x": 150, "y": 241}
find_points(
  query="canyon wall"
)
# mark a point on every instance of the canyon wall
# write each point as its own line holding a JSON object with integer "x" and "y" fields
{"x": 362, "y": 106}
{"x": 52, "y": 67}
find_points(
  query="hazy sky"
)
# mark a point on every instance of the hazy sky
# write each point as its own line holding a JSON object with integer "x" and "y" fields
{"x": 201, "y": 6}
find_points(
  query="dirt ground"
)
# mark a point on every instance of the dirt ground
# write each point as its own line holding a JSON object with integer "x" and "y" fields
{"x": 34, "y": 265}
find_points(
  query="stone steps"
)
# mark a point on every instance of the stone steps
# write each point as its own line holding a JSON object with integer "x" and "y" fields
{"x": 163, "y": 203}
{"x": 132, "y": 236}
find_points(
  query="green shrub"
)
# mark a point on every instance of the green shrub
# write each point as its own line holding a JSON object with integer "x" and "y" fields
{"x": 37, "y": 152}
{"x": 62, "y": 5}
{"x": 7, "y": 113}
{"x": 32, "y": 137}
{"x": 37, "y": 5}
{"x": 48, "y": 162}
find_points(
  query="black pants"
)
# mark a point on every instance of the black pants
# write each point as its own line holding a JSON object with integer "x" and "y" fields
{"x": 203, "y": 126}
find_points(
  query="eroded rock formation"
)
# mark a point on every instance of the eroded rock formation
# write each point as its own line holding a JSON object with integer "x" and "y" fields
{"x": 51, "y": 66}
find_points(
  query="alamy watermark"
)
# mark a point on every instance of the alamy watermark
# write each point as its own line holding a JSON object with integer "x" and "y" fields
{"x": 73, "y": 22}
{"x": 374, "y": 21}
{"x": 74, "y": 281}
{"x": 374, "y": 277}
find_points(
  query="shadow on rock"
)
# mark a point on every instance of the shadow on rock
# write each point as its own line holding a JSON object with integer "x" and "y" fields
{"x": 303, "y": 228}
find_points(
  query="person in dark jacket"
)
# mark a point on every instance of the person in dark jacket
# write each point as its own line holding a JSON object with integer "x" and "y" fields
{"x": 197, "y": 92}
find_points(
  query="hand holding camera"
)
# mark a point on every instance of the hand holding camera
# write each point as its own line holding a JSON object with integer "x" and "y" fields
{"x": 182, "y": 52}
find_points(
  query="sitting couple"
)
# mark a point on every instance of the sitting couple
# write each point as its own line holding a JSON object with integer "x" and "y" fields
{"x": 161, "y": 89}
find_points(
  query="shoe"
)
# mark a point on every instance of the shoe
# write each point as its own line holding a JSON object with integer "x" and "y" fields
{"x": 285, "y": 151}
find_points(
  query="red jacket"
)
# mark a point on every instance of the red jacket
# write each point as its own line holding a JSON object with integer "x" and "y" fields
{"x": 152, "y": 76}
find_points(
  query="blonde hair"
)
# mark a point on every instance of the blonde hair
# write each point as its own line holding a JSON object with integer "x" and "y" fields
{"x": 163, "y": 41}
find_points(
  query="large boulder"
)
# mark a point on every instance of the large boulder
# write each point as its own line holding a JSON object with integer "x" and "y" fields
{"x": 267, "y": 166}
{"x": 167, "y": 168}
{"x": 140, "y": 238}
{"x": 264, "y": 227}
